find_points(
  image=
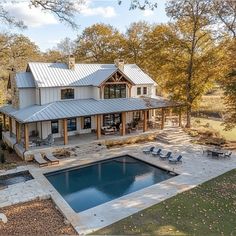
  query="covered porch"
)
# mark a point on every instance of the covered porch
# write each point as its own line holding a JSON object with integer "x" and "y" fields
{"x": 37, "y": 131}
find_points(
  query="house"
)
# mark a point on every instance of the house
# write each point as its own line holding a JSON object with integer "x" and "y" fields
{"x": 61, "y": 100}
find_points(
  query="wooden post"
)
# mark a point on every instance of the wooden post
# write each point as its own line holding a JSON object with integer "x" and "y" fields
{"x": 26, "y": 136}
{"x": 98, "y": 126}
{"x": 162, "y": 118}
{"x": 123, "y": 123}
{"x": 145, "y": 121}
{"x": 18, "y": 132}
{"x": 180, "y": 117}
{"x": 10, "y": 126}
{"x": 65, "y": 131}
{"x": 129, "y": 87}
{"x": 4, "y": 122}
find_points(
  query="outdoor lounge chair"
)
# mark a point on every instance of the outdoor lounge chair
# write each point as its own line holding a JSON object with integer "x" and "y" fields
{"x": 227, "y": 155}
{"x": 167, "y": 156}
{"x": 175, "y": 160}
{"x": 156, "y": 152}
{"x": 148, "y": 150}
{"x": 51, "y": 158}
{"x": 47, "y": 141}
{"x": 40, "y": 160}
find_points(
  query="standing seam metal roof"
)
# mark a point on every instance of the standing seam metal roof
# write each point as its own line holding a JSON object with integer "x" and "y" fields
{"x": 58, "y": 74}
{"x": 83, "y": 107}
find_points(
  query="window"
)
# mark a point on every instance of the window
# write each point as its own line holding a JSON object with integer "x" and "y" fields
{"x": 55, "y": 127}
{"x": 71, "y": 124}
{"x": 139, "y": 91}
{"x": 115, "y": 91}
{"x": 87, "y": 122}
{"x": 112, "y": 119}
{"x": 67, "y": 94}
{"x": 144, "y": 90}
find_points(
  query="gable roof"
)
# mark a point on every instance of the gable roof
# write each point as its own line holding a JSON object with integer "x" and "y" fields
{"x": 25, "y": 80}
{"x": 58, "y": 74}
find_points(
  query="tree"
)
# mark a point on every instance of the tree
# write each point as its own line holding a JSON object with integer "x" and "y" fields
{"x": 52, "y": 56}
{"x": 193, "y": 21}
{"x": 64, "y": 10}
{"x": 135, "y": 41}
{"x": 99, "y": 43}
{"x": 66, "y": 47}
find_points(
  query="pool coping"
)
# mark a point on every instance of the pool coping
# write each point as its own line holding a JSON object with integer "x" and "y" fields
{"x": 79, "y": 220}
{"x": 103, "y": 161}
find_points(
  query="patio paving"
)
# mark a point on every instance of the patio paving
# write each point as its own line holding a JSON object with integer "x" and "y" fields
{"x": 194, "y": 170}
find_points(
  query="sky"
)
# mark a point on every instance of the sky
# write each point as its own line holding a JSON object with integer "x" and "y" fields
{"x": 46, "y": 31}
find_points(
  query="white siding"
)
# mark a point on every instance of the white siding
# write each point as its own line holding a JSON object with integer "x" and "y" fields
{"x": 150, "y": 91}
{"x": 54, "y": 94}
{"x": 27, "y": 97}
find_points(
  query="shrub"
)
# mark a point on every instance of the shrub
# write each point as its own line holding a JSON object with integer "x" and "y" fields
{"x": 3, "y": 146}
{"x": 2, "y": 158}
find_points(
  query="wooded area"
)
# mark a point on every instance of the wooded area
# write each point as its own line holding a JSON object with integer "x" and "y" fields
{"x": 186, "y": 56}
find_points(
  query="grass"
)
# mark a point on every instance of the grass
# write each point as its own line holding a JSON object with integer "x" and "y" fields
{"x": 208, "y": 209}
{"x": 228, "y": 135}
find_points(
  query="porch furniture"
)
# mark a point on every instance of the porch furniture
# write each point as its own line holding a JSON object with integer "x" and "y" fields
{"x": 47, "y": 141}
{"x": 148, "y": 150}
{"x": 40, "y": 160}
{"x": 167, "y": 156}
{"x": 108, "y": 130}
{"x": 175, "y": 160}
{"x": 156, "y": 152}
{"x": 227, "y": 155}
{"x": 51, "y": 158}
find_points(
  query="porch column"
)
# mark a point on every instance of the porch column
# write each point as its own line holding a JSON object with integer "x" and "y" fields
{"x": 98, "y": 126}
{"x": 162, "y": 118}
{"x": 145, "y": 121}
{"x": 180, "y": 117}
{"x": 26, "y": 136}
{"x": 4, "y": 122}
{"x": 18, "y": 132}
{"x": 65, "y": 131}
{"x": 10, "y": 126}
{"x": 123, "y": 123}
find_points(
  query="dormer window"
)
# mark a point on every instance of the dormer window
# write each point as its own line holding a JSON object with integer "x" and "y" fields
{"x": 67, "y": 94}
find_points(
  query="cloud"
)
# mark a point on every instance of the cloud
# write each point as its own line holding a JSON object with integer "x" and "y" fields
{"x": 148, "y": 13}
{"x": 87, "y": 10}
{"x": 32, "y": 17}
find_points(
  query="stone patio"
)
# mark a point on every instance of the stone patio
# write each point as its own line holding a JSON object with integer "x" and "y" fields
{"x": 194, "y": 170}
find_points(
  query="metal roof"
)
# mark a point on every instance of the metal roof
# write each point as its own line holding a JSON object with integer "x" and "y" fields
{"x": 25, "y": 80}
{"x": 58, "y": 74}
{"x": 83, "y": 107}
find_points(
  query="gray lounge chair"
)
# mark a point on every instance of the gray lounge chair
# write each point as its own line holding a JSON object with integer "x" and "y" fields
{"x": 148, "y": 150}
{"x": 47, "y": 141}
{"x": 51, "y": 158}
{"x": 227, "y": 155}
{"x": 156, "y": 152}
{"x": 167, "y": 156}
{"x": 40, "y": 160}
{"x": 175, "y": 160}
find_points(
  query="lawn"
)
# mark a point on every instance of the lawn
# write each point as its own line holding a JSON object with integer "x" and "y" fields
{"x": 209, "y": 209}
{"x": 229, "y": 135}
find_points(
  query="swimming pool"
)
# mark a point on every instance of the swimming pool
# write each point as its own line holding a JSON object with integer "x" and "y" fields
{"x": 88, "y": 186}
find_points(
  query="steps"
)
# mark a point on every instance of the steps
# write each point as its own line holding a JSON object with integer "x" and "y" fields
{"x": 173, "y": 136}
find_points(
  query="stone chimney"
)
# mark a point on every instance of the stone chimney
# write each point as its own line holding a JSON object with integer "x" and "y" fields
{"x": 119, "y": 63}
{"x": 71, "y": 62}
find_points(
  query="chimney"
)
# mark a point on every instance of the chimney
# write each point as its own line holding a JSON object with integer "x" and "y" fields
{"x": 71, "y": 62}
{"x": 119, "y": 63}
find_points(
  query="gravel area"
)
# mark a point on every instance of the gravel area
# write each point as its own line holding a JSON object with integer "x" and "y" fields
{"x": 34, "y": 218}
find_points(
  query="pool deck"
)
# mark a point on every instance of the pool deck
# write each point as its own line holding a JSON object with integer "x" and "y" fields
{"x": 194, "y": 170}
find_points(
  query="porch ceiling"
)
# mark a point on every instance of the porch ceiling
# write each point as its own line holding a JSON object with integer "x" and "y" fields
{"x": 84, "y": 107}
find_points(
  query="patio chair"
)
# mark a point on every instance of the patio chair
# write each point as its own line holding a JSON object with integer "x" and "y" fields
{"x": 156, "y": 152}
{"x": 175, "y": 160}
{"x": 167, "y": 156}
{"x": 215, "y": 154}
{"x": 227, "y": 155}
{"x": 51, "y": 158}
{"x": 47, "y": 141}
{"x": 148, "y": 150}
{"x": 40, "y": 160}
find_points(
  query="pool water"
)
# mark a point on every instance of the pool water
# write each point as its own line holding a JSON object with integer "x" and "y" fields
{"x": 89, "y": 186}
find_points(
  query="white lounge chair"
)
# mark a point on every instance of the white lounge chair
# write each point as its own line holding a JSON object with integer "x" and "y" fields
{"x": 51, "y": 158}
{"x": 40, "y": 160}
